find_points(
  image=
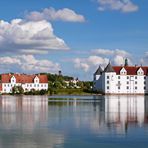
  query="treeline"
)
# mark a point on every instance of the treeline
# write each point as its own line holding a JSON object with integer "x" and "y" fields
{"x": 58, "y": 84}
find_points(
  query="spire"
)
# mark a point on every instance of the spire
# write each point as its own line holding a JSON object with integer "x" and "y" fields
{"x": 98, "y": 71}
{"x": 126, "y": 62}
{"x": 109, "y": 68}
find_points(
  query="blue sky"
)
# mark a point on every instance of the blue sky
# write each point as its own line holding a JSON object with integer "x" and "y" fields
{"x": 75, "y": 36}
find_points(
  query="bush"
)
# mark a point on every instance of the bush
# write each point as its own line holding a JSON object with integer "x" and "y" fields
{"x": 36, "y": 92}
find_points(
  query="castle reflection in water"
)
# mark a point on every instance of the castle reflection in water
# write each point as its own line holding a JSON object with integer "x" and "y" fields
{"x": 51, "y": 120}
{"x": 111, "y": 110}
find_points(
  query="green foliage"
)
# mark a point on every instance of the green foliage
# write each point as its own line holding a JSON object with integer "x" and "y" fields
{"x": 87, "y": 85}
{"x": 36, "y": 92}
{"x": 80, "y": 84}
{"x": 17, "y": 90}
{"x": 57, "y": 85}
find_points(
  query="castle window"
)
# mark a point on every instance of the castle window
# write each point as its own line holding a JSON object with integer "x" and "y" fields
{"x": 107, "y": 82}
{"x": 127, "y": 77}
{"x": 135, "y": 82}
{"x": 136, "y": 87}
{"x": 118, "y": 82}
{"x": 107, "y": 77}
{"x": 135, "y": 77}
{"x": 107, "y": 87}
{"x": 144, "y": 88}
{"x": 119, "y": 87}
{"x": 127, "y": 82}
{"x": 127, "y": 87}
{"x": 144, "y": 82}
{"x": 118, "y": 77}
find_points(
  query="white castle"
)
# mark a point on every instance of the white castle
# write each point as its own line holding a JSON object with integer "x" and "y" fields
{"x": 121, "y": 79}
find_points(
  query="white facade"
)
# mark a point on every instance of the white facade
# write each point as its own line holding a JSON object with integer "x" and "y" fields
{"x": 27, "y": 86}
{"x": 122, "y": 80}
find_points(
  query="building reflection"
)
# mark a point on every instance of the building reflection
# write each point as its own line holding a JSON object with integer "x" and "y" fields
{"x": 24, "y": 122}
{"x": 50, "y": 123}
{"x": 103, "y": 113}
{"x": 123, "y": 111}
{"x": 18, "y": 111}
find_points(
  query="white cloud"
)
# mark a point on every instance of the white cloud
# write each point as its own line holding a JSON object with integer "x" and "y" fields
{"x": 88, "y": 63}
{"x": 120, "y": 60}
{"x": 107, "y": 52}
{"x": 102, "y": 57}
{"x": 51, "y": 14}
{"x": 27, "y": 64}
{"x": 29, "y": 37}
{"x": 125, "y": 6}
{"x": 81, "y": 64}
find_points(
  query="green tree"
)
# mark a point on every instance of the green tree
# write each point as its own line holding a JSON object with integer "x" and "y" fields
{"x": 43, "y": 92}
{"x": 17, "y": 90}
{"x": 80, "y": 84}
{"x": 57, "y": 85}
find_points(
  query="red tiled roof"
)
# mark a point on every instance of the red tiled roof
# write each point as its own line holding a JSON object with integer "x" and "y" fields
{"x": 23, "y": 78}
{"x": 131, "y": 70}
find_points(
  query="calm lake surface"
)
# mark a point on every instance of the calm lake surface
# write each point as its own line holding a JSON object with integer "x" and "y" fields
{"x": 74, "y": 122}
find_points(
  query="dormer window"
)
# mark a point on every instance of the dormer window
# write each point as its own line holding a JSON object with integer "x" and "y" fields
{"x": 36, "y": 80}
{"x": 140, "y": 71}
{"x": 123, "y": 71}
{"x": 13, "y": 80}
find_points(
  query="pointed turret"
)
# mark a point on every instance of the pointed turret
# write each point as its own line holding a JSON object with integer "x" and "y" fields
{"x": 98, "y": 71}
{"x": 109, "y": 68}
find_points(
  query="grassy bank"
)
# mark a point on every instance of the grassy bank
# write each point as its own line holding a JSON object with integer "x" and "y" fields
{"x": 72, "y": 91}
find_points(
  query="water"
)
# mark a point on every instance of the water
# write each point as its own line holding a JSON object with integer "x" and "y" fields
{"x": 110, "y": 121}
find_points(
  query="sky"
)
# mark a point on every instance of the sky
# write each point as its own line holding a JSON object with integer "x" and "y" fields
{"x": 74, "y": 36}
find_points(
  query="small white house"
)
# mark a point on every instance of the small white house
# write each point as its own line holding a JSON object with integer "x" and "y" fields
{"x": 121, "y": 79}
{"x": 27, "y": 82}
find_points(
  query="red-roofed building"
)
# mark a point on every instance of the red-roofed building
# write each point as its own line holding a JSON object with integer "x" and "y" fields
{"x": 27, "y": 82}
{"x": 122, "y": 79}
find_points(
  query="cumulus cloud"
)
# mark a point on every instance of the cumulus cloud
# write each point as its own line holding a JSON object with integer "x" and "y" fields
{"x": 102, "y": 57}
{"x": 20, "y": 36}
{"x": 117, "y": 56}
{"x": 51, "y": 14}
{"x": 27, "y": 63}
{"x": 88, "y": 63}
{"x": 125, "y": 6}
